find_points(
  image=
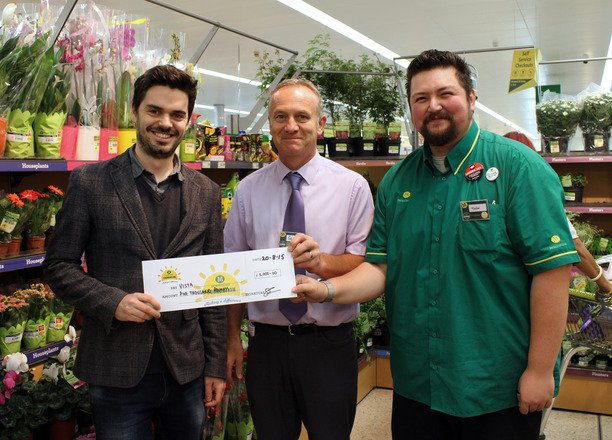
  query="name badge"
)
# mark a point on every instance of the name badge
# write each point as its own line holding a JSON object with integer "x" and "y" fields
{"x": 285, "y": 238}
{"x": 473, "y": 210}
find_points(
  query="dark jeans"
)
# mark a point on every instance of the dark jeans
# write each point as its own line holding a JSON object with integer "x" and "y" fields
{"x": 415, "y": 421}
{"x": 128, "y": 413}
{"x": 308, "y": 377}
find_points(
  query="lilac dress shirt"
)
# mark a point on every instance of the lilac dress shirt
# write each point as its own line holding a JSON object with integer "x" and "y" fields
{"x": 338, "y": 210}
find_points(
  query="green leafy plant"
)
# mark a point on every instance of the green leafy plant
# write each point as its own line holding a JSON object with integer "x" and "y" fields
{"x": 596, "y": 114}
{"x": 60, "y": 392}
{"x": 557, "y": 117}
{"x": 20, "y": 412}
{"x": 577, "y": 180}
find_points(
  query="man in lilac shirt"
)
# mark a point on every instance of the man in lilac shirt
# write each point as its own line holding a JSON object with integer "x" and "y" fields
{"x": 305, "y": 371}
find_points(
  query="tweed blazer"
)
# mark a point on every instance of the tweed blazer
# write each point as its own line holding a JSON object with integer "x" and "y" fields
{"x": 102, "y": 216}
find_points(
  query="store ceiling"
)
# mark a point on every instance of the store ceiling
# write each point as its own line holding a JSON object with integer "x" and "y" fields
{"x": 561, "y": 29}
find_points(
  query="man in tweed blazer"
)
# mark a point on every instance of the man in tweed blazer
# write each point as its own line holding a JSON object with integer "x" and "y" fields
{"x": 142, "y": 366}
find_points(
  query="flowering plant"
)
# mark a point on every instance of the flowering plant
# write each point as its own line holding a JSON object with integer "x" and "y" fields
{"x": 557, "y": 117}
{"x": 39, "y": 217}
{"x": 596, "y": 115}
{"x": 13, "y": 316}
{"x": 62, "y": 393}
{"x": 39, "y": 309}
{"x": 56, "y": 196}
{"x": 20, "y": 413}
{"x": 11, "y": 207}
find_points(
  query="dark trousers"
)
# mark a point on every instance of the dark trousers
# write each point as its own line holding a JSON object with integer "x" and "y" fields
{"x": 128, "y": 413}
{"x": 413, "y": 420}
{"x": 308, "y": 377}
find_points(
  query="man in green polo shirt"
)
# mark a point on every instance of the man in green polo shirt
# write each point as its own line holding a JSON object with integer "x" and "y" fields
{"x": 471, "y": 245}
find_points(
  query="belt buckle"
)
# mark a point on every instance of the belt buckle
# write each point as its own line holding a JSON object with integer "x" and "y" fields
{"x": 290, "y": 331}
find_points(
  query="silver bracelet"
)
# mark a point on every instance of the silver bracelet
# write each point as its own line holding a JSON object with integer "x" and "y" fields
{"x": 330, "y": 291}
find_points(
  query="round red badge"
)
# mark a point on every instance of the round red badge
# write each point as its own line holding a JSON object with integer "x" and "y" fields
{"x": 474, "y": 171}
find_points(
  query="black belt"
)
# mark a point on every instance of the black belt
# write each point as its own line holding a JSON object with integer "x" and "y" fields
{"x": 298, "y": 329}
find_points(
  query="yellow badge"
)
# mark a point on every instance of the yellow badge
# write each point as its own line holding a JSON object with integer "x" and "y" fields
{"x": 464, "y": 205}
{"x": 406, "y": 194}
{"x": 485, "y": 215}
{"x": 555, "y": 239}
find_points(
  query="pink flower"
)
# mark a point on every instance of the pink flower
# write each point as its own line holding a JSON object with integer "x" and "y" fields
{"x": 9, "y": 382}
{"x": 2, "y": 399}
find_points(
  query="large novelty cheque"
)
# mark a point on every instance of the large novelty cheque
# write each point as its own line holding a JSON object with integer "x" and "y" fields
{"x": 220, "y": 279}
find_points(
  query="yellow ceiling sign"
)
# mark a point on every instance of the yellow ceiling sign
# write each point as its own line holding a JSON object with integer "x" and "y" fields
{"x": 524, "y": 71}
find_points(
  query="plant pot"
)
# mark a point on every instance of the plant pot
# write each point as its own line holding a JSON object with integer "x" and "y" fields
{"x": 597, "y": 142}
{"x": 3, "y": 249}
{"x": 14, "y": 247}
{"x": 573, "y": 194}
{"x": 109, "y": 143}
{"x": 35, "y": 333}
{"x": 62, "y": 429}
{"x": 127, "y": 137}
{"x": 11, "y": 336}
{"x": 2, "y": 135}
{"x": 361, "y": 147}
{"x": 35, "y": 242}
{"x": 48, "y": 134}
{"x": 387, "y": 147}
{"x": 88, "y": 143}
{"x": 337, "y": 147}
{"x": 19, "y": 134}
{"x": 70, "y": 133}
{"x": 555, "y": 144}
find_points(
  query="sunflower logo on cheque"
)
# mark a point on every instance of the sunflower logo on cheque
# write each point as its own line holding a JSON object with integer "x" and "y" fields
{"x": 220, "y": 283}
{"x": 169, "y": 273}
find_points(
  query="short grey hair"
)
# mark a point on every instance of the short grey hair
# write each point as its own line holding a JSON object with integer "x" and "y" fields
{"x": 301, "y": 82}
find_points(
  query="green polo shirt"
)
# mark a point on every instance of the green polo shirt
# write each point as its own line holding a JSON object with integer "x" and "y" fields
{"x": 460, "y": 258}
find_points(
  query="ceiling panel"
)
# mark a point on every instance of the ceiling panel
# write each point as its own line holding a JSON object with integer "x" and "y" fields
{"x": 562, "y": 29}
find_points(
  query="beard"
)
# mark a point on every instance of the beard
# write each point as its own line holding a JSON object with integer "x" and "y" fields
{"x": 440, "y": 138}
{"x": 152, "y": 149}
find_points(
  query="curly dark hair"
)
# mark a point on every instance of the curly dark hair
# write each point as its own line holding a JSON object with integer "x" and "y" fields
{"x": 169, "y": 76}
{"x": 431, "y": 59}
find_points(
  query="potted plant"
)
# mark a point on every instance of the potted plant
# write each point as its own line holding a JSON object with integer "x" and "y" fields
{"x": 52, "y": 113}
{"x": 20, "y": 412}
{"x": 13, "y": 317}
{"x": 62, "y": 394}
{"x": 11, "y": 207}
{"x": 39, "y": 220}
{"x": 39, "y": 309}
{"x": 573, "y": 186}
{"x": 557, "y": 119}
{"x": 596, "y": 120}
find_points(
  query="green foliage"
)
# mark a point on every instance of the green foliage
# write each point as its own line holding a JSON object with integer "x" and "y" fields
{"x": 58, "y": 88}
{"x": 22, "y": 412}
{"x": 557, "y": 117}
{"x": 596, "y": 114}
{"x": 372, "y": 315}
{"x": 375, "y": 96}
{"x": 578, "y": 180}
{"x": 124, "y": 91}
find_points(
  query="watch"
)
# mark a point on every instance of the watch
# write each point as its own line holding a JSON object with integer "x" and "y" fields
{"x": 330, "y": 291}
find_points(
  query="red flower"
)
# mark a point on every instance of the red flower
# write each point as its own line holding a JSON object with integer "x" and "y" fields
{"x": 55, "y": 190}
{"x": 15, "y": 200}
{"x": 30, "y": 195}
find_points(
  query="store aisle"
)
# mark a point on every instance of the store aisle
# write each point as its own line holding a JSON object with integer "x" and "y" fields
{"x": 374, "y": 415}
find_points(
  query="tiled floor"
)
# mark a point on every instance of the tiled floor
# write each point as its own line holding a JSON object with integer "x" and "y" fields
{"x": 373, "y": 421}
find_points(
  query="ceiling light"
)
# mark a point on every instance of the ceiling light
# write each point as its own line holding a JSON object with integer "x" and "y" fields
{"x": 251, "y": 82}
{"x": 606, "y": 78}
{"x": 338, "y": 26}
{"x": 499, "y": 117}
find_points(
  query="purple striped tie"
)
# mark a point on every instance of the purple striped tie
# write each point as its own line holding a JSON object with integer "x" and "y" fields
{"x": 294, "y": 222}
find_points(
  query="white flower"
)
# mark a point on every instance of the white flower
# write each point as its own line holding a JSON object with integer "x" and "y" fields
{"x": 15, "y": 362}
{"x": 7, "y": 13}
{"x": 71, "y": 335}
{"x": 64, "y": 355}
{"x": 52, "y": 372}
